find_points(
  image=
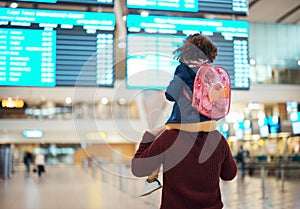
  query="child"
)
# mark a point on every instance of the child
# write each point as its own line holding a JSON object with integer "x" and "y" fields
{"x": 195, "y": 51}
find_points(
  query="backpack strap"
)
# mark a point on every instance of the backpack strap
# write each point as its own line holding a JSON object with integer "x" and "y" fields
{"x": 191, "y": 65}
{"x": 186, "y": 94}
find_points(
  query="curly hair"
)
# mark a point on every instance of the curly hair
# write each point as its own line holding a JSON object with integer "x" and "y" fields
{"x": 196, "y": 47}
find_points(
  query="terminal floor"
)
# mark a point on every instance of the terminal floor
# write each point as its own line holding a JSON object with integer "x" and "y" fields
{"x": 72, "y": 187}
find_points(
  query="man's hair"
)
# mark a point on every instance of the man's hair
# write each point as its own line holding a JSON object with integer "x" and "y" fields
{"x": 196, "y": 47}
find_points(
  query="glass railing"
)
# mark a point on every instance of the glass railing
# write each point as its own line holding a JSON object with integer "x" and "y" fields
{"x": 264, "y": 74}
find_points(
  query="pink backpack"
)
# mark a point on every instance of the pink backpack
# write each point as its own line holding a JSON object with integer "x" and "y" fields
{"x": 212, "y": 91}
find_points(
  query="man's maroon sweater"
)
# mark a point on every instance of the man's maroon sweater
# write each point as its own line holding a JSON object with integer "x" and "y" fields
{"x": 193, "y": 163}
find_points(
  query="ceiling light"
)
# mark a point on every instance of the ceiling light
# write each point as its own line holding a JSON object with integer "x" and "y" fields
{"x": 144, "y": 14}
{"x": 104, "y": 101}
{"x": 13, "y": 5}
{"x": 122, "y": 101}
{"x": 68, "y": 100}
{"x": 252, "y": 61}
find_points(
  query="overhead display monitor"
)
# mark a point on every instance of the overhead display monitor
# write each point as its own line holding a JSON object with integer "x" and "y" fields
{"x": 239, "y": 130}
{"x": 274, "y": 124}
{"x": 151, "y": 41}
{"x": 296, "y": 128}
{"x": 38, "y": 1}
{"x": 295, "y": 119}
{"x": 238, "y": 7}
{"x": 33, "y": 133}
{"x": 224, "y": 129}
{"x": 47, "y": 48}
{"x": 27, "y": 57}
{"x": 171, "y": 5}
{"x": 96, "y": 2}
{"x": 263, "y": 127}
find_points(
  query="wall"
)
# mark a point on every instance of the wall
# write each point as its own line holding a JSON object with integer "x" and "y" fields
{"x": 275, "y": 45}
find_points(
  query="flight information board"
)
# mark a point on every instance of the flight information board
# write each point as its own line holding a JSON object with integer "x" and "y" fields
{"x": 27, "y": 57}
{"x": 73, "y": 48}
{"x": 238, "y": 7}
{"x": 96, "y": 2}
{"x": 151, "y": 41}
{"x": 38, "y": 1}
{"x": 175, "y": 5}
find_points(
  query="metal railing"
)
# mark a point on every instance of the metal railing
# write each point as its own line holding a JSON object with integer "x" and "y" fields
{"x": 119, "y": 175}
{"x": 279, "y": 168}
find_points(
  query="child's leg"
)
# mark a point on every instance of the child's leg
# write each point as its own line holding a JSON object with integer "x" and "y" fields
{"x": 153, "y": 176}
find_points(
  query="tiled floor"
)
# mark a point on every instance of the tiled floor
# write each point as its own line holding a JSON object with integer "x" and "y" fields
{"x": 72, "y": 187}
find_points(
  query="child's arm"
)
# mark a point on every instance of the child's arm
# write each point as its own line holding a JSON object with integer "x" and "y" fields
{"x": 174, "y": 88}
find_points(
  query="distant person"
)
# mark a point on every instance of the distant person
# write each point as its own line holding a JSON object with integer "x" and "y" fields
{"x": 27, "y": 160}
{"x": 40, "y": 163}
{"x": 195, "y": 51}
{"x": 241, "y": 159}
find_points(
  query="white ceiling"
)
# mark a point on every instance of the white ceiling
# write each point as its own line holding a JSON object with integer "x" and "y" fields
{"x": 274, "y": 11}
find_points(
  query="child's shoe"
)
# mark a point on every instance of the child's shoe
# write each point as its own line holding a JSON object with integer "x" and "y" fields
{"x": 150, "y": 187}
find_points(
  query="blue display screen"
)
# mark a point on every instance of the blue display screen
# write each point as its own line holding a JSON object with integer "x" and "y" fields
{"x": 264, "y": 131}
{"x": 56, "y": 48}
{"x": 171, "y": 5}
{"x": 27, "y": 57}
{"x": 296, "y": 128}
{"x": 33, "y": 133}
{"x": 263, "y": 124}
{"x": 150, "y": 64}
{"x": 105, "y": 2}
{"x": 151, "y": 41}
{"x": 224, "y": 129}
{"x": 274, "y": 124}
{"x": 92, "y": 20}
{"x": 239, "y": 7}
{"x": 295, "y": 116}
{"x": 40, "y": 1}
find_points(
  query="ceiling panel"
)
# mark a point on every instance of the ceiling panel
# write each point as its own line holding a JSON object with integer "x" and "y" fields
{"x": 274, "y": 11}
{"x": 293, "y": 18}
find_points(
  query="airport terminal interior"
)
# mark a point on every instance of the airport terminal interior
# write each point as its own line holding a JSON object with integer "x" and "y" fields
{"x": 81, "y": 81}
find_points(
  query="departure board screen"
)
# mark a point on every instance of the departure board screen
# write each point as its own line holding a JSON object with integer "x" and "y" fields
{"x": 27, "y": 57}
{"x": 151, "y": 41}
{"x": 100, "y": 2}
{"x": 171, "y": 5}
{"x": 39, "y": 1}
{"x": 238, "y": 7}
{"x": 71, "y": 48}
